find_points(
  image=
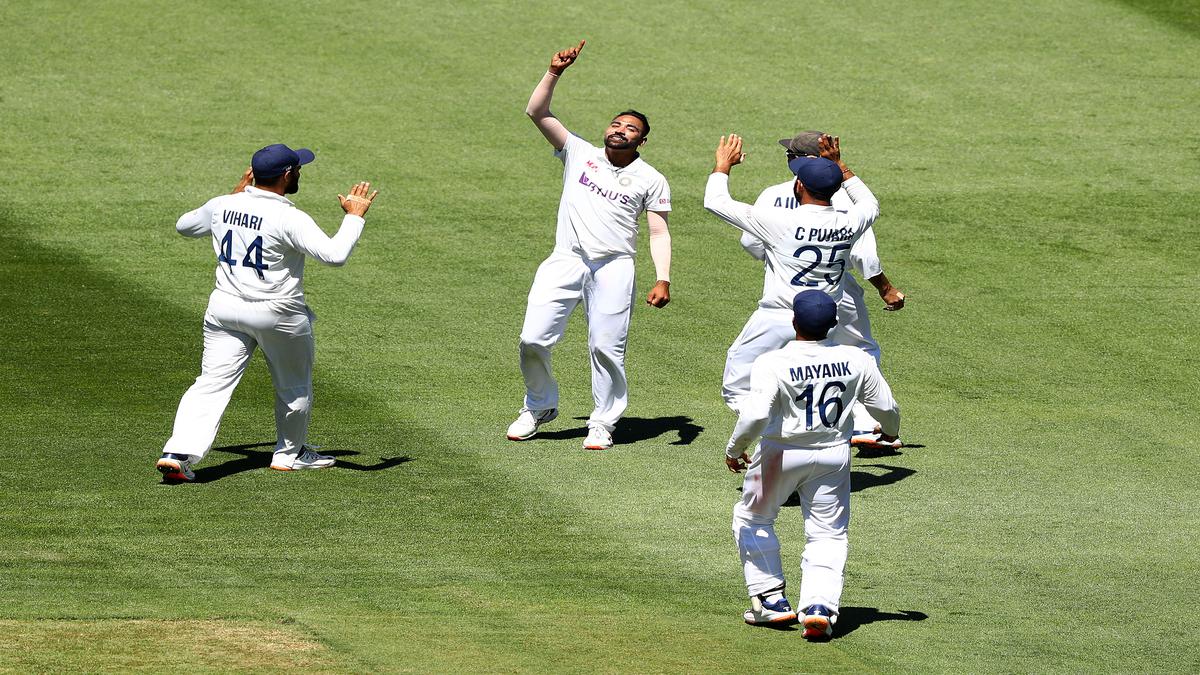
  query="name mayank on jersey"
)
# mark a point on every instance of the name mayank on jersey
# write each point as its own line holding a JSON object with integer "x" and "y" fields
{"x": 820, "y": 371}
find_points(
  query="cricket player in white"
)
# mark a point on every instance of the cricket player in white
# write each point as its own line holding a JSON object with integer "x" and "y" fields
{"x": 854, "y": 325}
{"x": 604, "y": 192}
{"x": 805, "y": 247}
{"x": 799, "y": 403}
{"x": 260, "y": 239}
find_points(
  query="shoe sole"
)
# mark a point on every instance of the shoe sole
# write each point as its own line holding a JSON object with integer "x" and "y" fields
{"x": 597, "y": 447}
{"x": 171, "y": 470}
{"x": 868, "y": 444}
{"x": 816, "y": 627}
{"x": 786, "y": 618}
{"x": 522, "y": 438}
{"x": 299, "y": 468}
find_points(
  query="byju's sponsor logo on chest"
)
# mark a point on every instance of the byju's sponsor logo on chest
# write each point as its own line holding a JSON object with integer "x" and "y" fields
{"x": 611, "y": 195}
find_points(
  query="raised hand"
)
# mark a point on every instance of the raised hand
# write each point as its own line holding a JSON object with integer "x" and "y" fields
{"x": 357, "y": 202}
{"x": 247, "y": 178}
{"x": 830, "y": 147}
{"x": 729, "y": 153}
{"x": 562, "y": 60}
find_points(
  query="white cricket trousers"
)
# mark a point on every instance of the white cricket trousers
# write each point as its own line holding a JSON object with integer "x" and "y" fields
{"x": 606, "y": 289}
{"x": 822, "y": 477}
{"x": 771, "y": 329}
{"x": 233, "y": 327}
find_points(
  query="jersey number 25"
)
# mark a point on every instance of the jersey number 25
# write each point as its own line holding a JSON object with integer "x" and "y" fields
{"x": 832, "y": 280}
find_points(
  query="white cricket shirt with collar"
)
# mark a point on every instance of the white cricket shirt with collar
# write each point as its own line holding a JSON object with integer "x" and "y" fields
{"x": 806, "y": 247}
{"x": 801, "y": 396}
{"x": 864, "y": 255}
{"x": 261, "y": 238}
{"x": 600, "y": 205}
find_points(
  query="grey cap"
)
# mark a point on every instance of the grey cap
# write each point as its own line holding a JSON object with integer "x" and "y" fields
{"x": 803, "y": 143}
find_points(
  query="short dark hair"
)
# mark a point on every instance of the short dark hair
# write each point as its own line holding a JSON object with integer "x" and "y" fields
{"x": 270, "y": 180}
{"x": 640, "y": 116}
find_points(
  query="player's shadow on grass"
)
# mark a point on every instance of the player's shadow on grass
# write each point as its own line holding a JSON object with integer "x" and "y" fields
{"x": 850, "y": 618}
{"x": 260, "y": 459}
{"x": 861, "y": 480}
{"x": 868, "y": 453}
{"x": 634, "y": 429}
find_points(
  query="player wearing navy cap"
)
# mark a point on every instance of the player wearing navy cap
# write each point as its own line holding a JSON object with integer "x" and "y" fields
{"x": 799, "y": 404}
{"x": 854, "y": 324}
{"x": 804, "y": 247}
{"x": 604, "y": 192}
{"x": 260, "y": 240}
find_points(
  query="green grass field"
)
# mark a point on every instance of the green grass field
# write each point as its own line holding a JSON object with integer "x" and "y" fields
{"x": 1037, "y": 165}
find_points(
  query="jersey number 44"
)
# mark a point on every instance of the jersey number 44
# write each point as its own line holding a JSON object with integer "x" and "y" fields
{"x": 254, "y": 249}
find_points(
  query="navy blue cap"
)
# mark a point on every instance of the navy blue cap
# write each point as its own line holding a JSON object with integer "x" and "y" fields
{"x": 820, "y": 176}
{"x": 814, "y": 313}
{"x": 273, "y": 160}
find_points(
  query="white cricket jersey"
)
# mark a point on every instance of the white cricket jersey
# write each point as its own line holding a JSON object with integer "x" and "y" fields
{"x": 802, "y": 396}
{"x": 864, "y": 254}
{"x": 806, "y": 247}
{"x": 600, "y": 205}
{"x": 260, "y": 240}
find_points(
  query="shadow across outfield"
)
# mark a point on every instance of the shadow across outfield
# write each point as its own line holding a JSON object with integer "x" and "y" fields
{"x": 850, "y": 618}
{"x": 634, "y": 429}
{"x": 260, "y": 459}
{"x": 861, "y": 480}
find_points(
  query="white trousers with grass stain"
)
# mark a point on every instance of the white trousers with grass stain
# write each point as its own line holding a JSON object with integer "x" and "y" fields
{"x": 822, "y": 478}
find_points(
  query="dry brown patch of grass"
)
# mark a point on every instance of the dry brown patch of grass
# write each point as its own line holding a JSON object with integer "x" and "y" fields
{"x": 111, "y": 645}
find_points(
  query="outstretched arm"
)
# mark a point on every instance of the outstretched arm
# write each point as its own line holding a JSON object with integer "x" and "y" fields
{"x": 310, "y": 240}
{"x": 866, "y": 207}
{"x": 717, "y": 199}
{"x": 538, "y": 108}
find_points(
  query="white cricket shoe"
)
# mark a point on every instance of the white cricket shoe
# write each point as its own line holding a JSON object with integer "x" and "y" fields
{"x": 871, "y": 441}
{"x": 818, "y": 622}
{"x": 307, "y": 459}
{"x": 762, "y": 612}
{"x": 526, "y": 425}
{"x": 598, "y": 438}
{"x": 175, "y": 467}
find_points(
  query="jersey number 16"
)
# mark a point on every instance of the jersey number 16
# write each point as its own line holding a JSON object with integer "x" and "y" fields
{"x": 254, "y": 249}
{"x": 829, "y": 404}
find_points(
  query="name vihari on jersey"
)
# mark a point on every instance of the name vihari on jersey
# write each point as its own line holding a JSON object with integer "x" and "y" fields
{"x": 820, "y": 371}
{"x": 242, "y": 219}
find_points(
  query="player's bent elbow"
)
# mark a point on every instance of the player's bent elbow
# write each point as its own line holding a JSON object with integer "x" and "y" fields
{"x": 336, "y": 260}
